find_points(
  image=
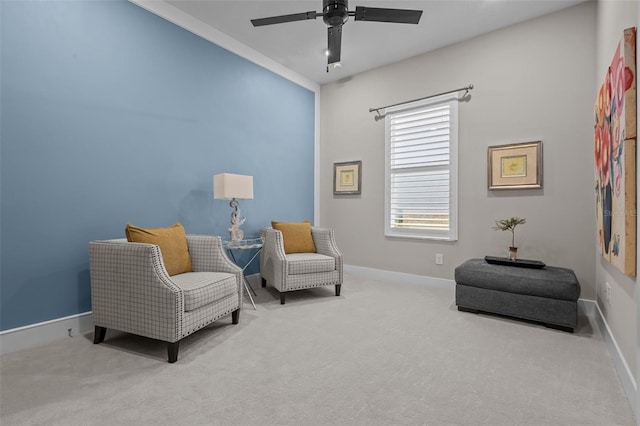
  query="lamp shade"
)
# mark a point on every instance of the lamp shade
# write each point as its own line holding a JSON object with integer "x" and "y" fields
{"x": 227, "y": 186}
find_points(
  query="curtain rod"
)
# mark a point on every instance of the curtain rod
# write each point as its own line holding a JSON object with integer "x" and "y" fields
{"x": 381, "y": 116}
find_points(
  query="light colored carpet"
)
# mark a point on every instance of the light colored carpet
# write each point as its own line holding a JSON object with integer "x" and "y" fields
{"x": 383, "y": 353}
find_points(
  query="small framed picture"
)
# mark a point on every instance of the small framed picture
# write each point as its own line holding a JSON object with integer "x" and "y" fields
{"x": 515, "y": 166}
{"x": 347, "y": 178}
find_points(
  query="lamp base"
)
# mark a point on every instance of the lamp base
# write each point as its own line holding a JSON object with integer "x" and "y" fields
{"x": 236, "y": 234}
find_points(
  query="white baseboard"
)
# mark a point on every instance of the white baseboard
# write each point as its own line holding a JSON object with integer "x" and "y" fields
{"x": 625, "y": 375}
{"x": 380, "y": 275}
{"x": 44, "y": 332}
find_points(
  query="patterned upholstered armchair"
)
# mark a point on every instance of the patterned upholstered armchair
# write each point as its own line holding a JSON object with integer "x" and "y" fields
{"x": 297, "y": 271}
{"x": 131, "y": 290}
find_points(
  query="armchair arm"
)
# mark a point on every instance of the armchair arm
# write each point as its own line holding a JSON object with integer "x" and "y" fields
{"x": 325, "y": 242}
{"x": 208, "y": 255}
{"x": 273, "y": 260}
{"x": 132, "y": 292}
{"x": 273, "y": 243}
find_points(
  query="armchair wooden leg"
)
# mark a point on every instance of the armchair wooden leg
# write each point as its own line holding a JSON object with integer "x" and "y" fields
{"x": 282, "y": 298}
{"x": 235, "y": 316}
{"x": 264, "y": 282}
{"x": 338, "y": 286}
{"x": 172, "y": 351}
{"x": 98, "y": 334}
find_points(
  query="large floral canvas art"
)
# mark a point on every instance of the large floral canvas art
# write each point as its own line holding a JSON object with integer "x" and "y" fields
{"x": 615, "y": 158}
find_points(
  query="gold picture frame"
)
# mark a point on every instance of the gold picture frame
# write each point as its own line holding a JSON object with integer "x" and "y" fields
{"x": 515, "y": 166}
{"x": 347, "y": 178}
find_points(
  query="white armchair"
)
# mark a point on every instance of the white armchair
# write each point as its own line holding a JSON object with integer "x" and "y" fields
{"x": 297, "y": 271}
{"x": 131, "y": 290}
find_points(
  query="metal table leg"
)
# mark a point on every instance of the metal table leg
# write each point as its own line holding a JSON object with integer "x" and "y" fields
{"x": 246, "y": 287}
{"x": 246, "y": 283}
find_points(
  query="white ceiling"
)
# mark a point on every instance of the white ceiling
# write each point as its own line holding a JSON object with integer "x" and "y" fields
{"x": 299, "y": 46}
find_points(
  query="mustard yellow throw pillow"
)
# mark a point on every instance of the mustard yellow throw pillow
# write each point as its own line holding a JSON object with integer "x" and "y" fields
{"x": 172, "y": 241}
{"x": 296, "y": 237}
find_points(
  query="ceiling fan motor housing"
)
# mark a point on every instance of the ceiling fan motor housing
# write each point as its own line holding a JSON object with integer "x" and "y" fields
{"x": 335, "y": 12}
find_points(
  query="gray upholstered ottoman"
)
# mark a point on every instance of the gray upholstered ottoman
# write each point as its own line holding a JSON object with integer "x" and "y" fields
{"x": 548, "y": 295}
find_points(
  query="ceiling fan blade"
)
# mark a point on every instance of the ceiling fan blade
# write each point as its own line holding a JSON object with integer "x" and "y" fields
{"x": 335, "y": 44}
{"x": 376, "y": 14}
{"x": 285, "y": 18}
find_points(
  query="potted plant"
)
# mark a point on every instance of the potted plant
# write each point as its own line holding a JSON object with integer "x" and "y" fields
{"x": 510, "y": 225}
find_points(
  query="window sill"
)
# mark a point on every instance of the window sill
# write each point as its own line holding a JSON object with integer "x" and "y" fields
{"x": 421, "y": 237}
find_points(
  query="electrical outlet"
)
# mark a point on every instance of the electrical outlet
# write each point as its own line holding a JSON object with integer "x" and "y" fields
{"x": 439, "y": 259}
{"x": 608, "y": 293}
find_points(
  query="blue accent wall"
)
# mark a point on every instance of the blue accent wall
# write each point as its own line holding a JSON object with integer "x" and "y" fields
{"x": 110, "y": 115}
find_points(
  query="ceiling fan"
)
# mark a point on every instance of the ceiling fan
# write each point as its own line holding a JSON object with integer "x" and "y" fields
{"x": 335, "y": 13}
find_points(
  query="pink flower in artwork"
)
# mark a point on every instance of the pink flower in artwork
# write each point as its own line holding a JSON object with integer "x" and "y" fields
{"x": 617, "y": 179}
{"x": 630, "y": 38}
{"x": 628, "y": 78}
{"x": 600, "y": 101}
{"x": 619, "y": 84}
{"x": 607, "y": 94}
{"x": 597, "y": 152}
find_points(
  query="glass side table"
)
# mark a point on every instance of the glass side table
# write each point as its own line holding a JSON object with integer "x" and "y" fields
{"x": 246, "y": 244}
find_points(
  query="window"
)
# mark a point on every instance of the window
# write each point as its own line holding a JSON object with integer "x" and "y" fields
{"x": 421, "y": 169}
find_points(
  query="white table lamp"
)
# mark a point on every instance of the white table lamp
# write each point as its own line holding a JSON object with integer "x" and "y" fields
{"x": 227, "y": 186}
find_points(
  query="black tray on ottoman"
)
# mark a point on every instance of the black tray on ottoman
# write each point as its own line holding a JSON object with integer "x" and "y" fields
{"x": 520, "y": 263}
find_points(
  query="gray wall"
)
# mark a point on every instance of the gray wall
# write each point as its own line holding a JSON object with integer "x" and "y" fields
{"x": 533, "y": 81}
{"x": 621, "y": 313}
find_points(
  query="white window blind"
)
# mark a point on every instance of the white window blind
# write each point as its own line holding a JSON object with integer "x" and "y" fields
{"x": 421, "y": 169}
